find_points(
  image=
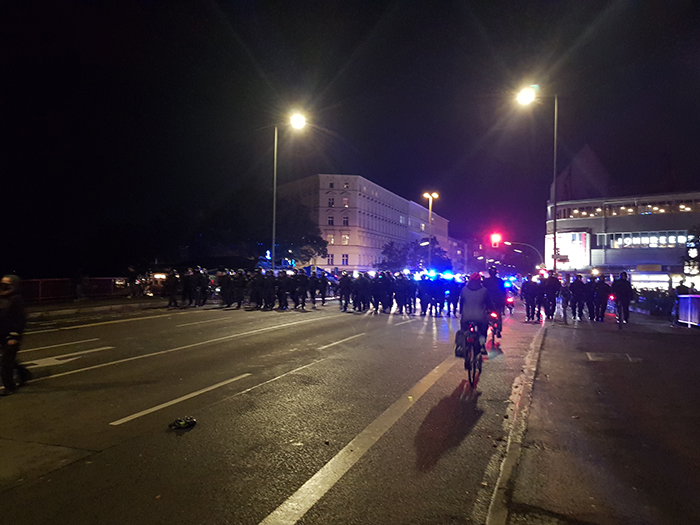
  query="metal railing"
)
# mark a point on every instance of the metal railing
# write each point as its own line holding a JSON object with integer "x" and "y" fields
{"x": 689, "y": 309}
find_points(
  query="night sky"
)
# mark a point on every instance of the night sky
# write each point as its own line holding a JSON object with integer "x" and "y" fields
{"x": 126, "y": 127}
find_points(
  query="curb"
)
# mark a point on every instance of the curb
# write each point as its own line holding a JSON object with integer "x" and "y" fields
{"x": 521, "y": 398}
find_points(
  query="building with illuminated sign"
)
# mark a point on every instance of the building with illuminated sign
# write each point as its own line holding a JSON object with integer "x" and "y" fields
{"x": 645, "y": 235}
{"x": 358, "y": 217}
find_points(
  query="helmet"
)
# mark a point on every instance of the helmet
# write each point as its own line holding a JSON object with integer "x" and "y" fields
{"x": 492, "y": 271}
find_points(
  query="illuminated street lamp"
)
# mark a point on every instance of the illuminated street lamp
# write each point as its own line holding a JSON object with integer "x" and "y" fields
{"x": 525, "y": 97}
{"x": 297, "y": 121}
{"x": 430, "y": 197}
{"x": 509, "y": 243}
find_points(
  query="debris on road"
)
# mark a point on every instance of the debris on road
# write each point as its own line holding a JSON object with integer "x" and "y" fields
{"x": 183, "y": 423}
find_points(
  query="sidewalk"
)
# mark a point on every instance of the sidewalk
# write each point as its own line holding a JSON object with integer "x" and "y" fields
{"x": 611, "y": 428}
{"x": 117, "y": 304}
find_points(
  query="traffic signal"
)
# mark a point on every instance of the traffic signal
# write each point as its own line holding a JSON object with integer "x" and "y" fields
{"x": 495, "y": 240}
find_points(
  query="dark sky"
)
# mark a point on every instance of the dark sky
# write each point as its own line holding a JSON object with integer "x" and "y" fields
{"x": 121, "y": 118}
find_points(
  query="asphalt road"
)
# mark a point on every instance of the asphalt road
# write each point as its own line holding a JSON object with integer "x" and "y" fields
{"x": 303, "y": 417}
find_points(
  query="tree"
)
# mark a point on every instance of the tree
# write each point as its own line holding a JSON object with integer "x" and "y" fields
{"x": 413, "y": 256}
{"x": 394, "y": 257}
{"x": 298, "y": 236}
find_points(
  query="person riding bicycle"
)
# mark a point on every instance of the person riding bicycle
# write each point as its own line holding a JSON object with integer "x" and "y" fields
{"x": 476, "y": 305}
{"x": 497, "y": 292}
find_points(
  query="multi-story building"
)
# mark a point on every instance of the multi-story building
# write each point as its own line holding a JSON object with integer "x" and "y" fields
{"x": 358, "y": 217}
{"x": 647, "y": 236}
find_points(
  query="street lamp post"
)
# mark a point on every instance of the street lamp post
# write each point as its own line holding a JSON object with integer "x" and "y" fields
{"x": 525, "y": 97}
{"x": 297, "y": 121}
{"x": 430, "y": 197}
{"x": 528, "y": 245}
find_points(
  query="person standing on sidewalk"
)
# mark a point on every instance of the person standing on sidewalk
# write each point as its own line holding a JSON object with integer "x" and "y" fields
{"x": 623, "y": 293}
{"x": 12, "y": 321}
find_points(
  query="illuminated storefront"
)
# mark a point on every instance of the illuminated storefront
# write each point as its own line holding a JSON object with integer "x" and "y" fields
{"x": 647, "y": 236}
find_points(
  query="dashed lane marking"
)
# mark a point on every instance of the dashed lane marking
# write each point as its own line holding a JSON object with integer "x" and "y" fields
{"x": 178, "y": 400}
{"x": 193, "y": 345}
{"x": 58, "y": 345}
{"x": 65, "y": 358}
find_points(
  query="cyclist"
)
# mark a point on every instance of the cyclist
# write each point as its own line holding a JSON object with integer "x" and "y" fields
{"x": 476, "y": 305}
{"x": 497, "y": 292}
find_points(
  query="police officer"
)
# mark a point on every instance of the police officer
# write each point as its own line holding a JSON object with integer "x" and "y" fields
{"x": 323, "y": 288}
{"x": 345, "y": 287}
{"x": 171, "y": 282}
{"x": 188, "y": 287}
{"x": 602, "y": 294}
{"x": 239, "y": 285}
{"x": 269, "y": 288}
{"x": 313, "y": 288}
{"x": 528, "y": 291}
{"x": 589, "y": 297}
{"x": 282, "y": 285}
{"x": 578, "y": 297}
{"x": 302, "y": 288}
{"x": 623, "y": 292}
{"x": 256, "y": 290}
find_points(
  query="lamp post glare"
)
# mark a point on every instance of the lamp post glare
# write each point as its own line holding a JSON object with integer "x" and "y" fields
{"x": 430, "y": 197}
{"x": 525, "y": 97}
{"x": 297, "y": 121}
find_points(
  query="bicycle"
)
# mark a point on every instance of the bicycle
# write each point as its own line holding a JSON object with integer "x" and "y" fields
{"x": 495, "y": 328}
{"x": 469, "y": 347}
{"x": 618, "y": 312}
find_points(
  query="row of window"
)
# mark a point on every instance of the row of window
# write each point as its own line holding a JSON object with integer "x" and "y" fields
{"x": 331, "y": 202}
{"x": 344, "y": 258}
{"x": 662, "y": 239}
{"x": 344, "y": 239}
{"x": 631, "y": 208}
{"x": 331, "y": 221}
{"x": 346, "y": 185}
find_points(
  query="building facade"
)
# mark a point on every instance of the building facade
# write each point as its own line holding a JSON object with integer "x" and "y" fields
{"x": 646, "y": 235}
{"x": 358, "y": 217}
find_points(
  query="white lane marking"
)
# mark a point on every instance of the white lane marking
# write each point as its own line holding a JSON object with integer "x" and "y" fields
{"x": 340, "y": 341}
{"x": 207, "y": 321}
{"x": 178, "y": 400}
{"x": 404, "y": 322}
{"x": 201, "y": 343}
{"x": 63, "y": 359}
{"x": 99, "y": 324}
{"x": 310, "y": 492}
{"x": 56, "y": 346}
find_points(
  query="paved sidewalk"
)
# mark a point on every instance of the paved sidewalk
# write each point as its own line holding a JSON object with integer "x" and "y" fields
{"x": 611, "y": 429}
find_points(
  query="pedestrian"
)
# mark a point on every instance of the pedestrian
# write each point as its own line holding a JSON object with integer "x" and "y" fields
{"x": 323, "y": 288}
{"x": 239, "y": 285}
{"x": 528, "y": 292}
{"x": 578, "y": 297}
{"x": 589, "y": 295}
{"x": 623, "y": 292}
{"x": 188, "y": 287}
{"x": 226, "y": 286}
{"x": 313, "y": 288}
{"x": 13, "y": 318}
{"x": 602, "y": 294}
{"x": 171, "y": 283}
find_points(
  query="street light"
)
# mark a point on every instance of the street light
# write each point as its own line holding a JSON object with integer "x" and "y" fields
{"x": 430, "y": 197}
{"x": 509, "y": 243}
{"x": 525, "y": 97}
{"x": 297, "y": 121}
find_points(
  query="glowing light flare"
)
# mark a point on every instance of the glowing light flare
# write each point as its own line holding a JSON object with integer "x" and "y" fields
{"x": 526, "y": 96}
{"x": 298, "y": 121}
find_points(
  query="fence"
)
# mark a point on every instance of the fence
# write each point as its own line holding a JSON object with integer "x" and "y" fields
{"x": 37, "y": 290}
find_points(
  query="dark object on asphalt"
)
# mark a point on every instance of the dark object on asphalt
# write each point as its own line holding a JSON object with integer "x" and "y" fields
{"x": 183, "y": 423}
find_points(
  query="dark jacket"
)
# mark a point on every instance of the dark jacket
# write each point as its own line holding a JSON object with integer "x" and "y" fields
{"x": 475, "y": 303}
{"x": 13, "y": 317}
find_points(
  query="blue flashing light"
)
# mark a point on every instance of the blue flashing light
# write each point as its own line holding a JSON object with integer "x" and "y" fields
{"x": 507, "y": 284}
{"x": 447, "y": 275}
{"x": 432, "y": 273}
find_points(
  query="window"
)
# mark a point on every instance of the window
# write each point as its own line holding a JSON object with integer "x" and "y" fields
{"x": 422, "y": 226}
{"x": 346, "y": 221}
{"x": 330, "y": 259}
{"x": 330, "y": 220}
{"x": 331, "y": 239}
{"x": 345, "y": 239}
{"x": 344, "y": 259}
{"x": 346, "y": 185}
{"x": 331, "y": 202}
{"x": 346, "y": 202}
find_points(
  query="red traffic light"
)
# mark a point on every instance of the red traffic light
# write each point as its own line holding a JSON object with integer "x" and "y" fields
{"x": 495, "y": 239}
